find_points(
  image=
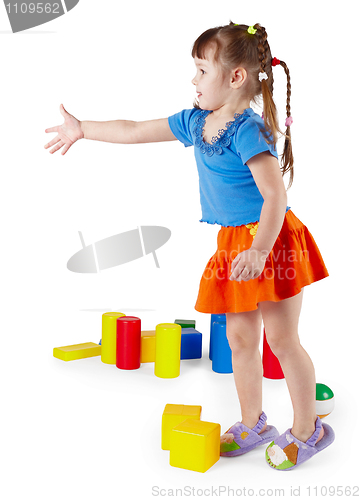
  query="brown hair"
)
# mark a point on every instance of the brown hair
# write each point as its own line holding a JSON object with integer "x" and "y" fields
{"x": 234, "y": 46}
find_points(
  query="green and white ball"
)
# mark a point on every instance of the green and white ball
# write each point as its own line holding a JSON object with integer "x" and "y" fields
{"x": 325, "y": 400}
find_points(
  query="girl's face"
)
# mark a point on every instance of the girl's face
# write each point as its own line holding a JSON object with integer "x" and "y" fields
{"x": 213, "y": 89}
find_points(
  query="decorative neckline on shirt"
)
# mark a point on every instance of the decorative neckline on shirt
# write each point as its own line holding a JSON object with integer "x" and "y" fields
{"x": 223, "y": 139}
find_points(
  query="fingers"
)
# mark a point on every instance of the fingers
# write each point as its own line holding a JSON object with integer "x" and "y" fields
{"x": 240, "y": 274}
{"x": 235, "y": 262}
{"x": 65, "y": 148}
{"x": 245, "y": 273}
{"x": 52, "y": 142}
{"x": 58, "y": 143}
{"x": 57, "y": 147}
{"x": 52, "y": 129}
{"x": 236, "y": 273}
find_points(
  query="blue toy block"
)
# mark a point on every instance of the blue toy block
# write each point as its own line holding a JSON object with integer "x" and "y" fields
{"x": 214, "y": 317}
{"x": 222, "y": 354}
{"x": 191, "y": 344}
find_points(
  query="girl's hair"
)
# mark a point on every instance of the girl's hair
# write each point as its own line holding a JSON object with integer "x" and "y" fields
{"x": 234, "y": 46}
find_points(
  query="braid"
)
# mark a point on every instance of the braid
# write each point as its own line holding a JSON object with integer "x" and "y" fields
{"x": 269, "y": 107}
{"x": 287, "y": 157}
{"x": 262, "y": 47}
{"x": 287, "y": 71}
{"x": 265, "y": 65}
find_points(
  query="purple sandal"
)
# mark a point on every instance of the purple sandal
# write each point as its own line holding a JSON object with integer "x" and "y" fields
{"x": 287, "y": 452}
{"x": 239, "y": 439}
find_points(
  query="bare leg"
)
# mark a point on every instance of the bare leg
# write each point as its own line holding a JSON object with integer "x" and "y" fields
{"x": 281, "y": 324}
{"x": 243, "y": 333}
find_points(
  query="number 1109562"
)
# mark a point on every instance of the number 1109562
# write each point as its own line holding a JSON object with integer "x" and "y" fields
{"x": 32, "y": 8}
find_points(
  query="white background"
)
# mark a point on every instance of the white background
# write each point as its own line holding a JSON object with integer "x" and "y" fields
{"x": 84, "y": 429}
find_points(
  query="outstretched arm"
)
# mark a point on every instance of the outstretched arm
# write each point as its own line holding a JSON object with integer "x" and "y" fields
{"x": 116, "y": 131}
{"x": 128, "y": 132}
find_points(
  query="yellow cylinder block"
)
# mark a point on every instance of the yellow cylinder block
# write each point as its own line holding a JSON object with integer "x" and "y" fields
{"x": 147, "y": 346}
{"x": 167, "y": 350}
{"x": 109, "y": 337}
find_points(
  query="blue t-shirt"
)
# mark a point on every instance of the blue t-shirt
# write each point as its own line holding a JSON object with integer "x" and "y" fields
{"x": 228, "y": 193}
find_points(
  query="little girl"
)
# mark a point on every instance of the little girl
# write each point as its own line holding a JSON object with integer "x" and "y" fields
{"x": 265, "y": 254}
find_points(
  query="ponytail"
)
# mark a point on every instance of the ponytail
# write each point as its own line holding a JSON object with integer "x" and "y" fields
{"x": 287, "y": 157}
{"x": 269, "y": 107}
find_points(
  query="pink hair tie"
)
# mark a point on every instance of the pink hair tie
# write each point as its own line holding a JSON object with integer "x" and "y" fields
{"x": 289, "y": 121}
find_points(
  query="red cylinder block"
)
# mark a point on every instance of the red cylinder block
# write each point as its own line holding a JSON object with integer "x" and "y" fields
{"x": 128, "y": 343}
{"x": 271, "y": 365}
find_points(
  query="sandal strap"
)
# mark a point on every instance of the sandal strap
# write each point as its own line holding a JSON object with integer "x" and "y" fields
{"x": 318, "y": 426}
{"x": 244, "y": 436}
{"x": 260, "y": 424}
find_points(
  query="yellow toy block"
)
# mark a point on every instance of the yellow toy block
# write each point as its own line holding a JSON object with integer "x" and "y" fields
{"x": 167, "y": 350}
{"x": 147, "y": 346}
{"x": 109, "y": 337}
{"x": 174, "y": 415}
{"x": 77, "y": 351}
{"x": 195, "y": 445}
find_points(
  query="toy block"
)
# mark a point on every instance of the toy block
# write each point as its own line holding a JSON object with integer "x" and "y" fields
{"x": 271, "y": 366}
{"x": 195, "y": 445}
{"x": 191, "y": 344}
{"x": 109, "y": 337}
{"x": 174, "y": 415}
{"x": 77, "y": 351}
{"x": 222, "y": 354}
{"x": 214, "y": 318}
{"x": 167, "y": 350}
{"x": 128, "y": 342}
{"x": 185, "y": 323}
{"x": 147, "y": 346}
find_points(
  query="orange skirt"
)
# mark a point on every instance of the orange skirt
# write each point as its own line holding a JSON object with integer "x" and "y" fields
{"x": 294, "y": 262}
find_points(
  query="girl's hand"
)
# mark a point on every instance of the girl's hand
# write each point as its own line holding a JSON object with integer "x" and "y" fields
{"x": 68, "y": 133}
{"x": 248, "y": 265}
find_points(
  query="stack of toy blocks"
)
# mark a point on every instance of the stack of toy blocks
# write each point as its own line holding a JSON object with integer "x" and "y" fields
{"x": 193, "y": 443}
{"x": 191, "y": 342}
{"x": 124, "y": 344}
{"x": 174, "y": 415}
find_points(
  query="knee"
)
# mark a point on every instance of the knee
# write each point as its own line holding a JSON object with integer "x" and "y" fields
{"x": 282, "y": 345}
{"x": 240, "y": 343}
{"x": 243, "y": 331}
